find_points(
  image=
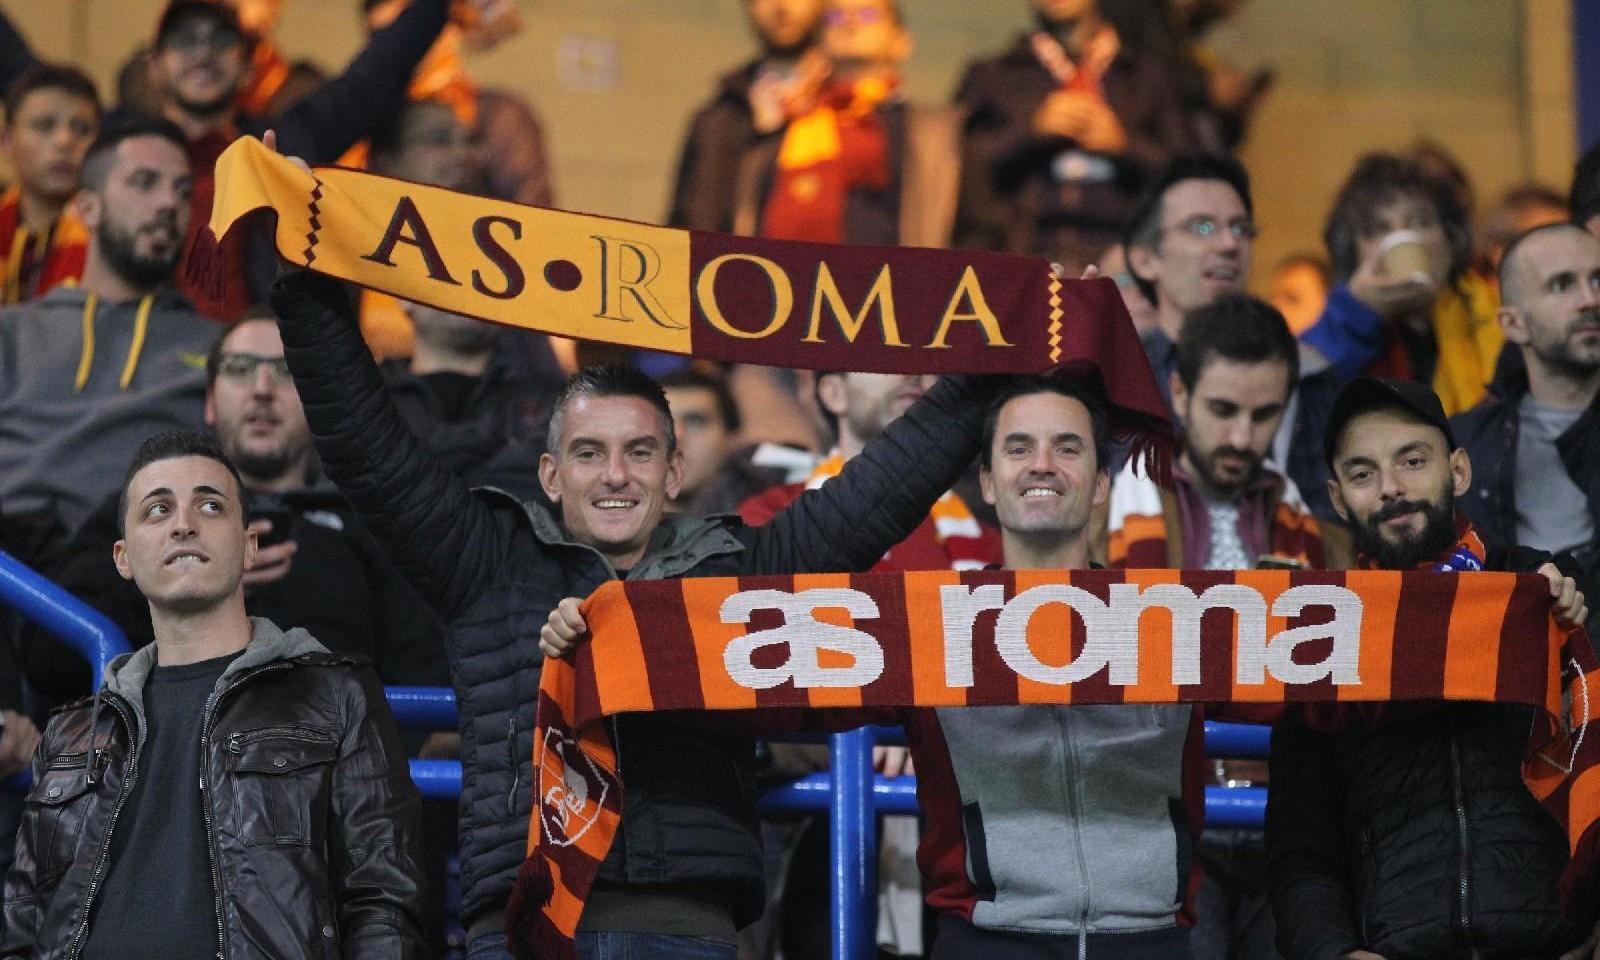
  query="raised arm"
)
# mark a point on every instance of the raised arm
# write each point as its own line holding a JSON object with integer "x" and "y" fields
{"x": 375, "y": 842}
{"x": 881, "y": 496}
{"x": 448, "y": 542}
{"x": 347, "y": 109}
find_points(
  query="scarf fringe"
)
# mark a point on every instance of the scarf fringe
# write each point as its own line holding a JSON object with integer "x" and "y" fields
{"x": 529, "y": 934}
{"x": 206, "y": 266}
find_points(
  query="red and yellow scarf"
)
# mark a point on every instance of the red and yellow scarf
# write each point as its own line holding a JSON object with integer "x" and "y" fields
{"x": 944, "y": 639}
{"x": 837, "y": 146}
{"x": 36, "y": 262}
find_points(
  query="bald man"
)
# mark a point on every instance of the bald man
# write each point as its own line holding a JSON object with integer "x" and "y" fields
{"x": 1535, "y": 441}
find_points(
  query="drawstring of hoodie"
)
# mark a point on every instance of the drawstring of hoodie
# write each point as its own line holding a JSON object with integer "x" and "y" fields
{"x": 141, "y": 328}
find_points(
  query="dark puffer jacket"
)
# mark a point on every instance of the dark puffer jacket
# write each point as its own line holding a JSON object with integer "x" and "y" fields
{"x": 1417, "y": 840}
{"x": 493, "y": 569}
{"x": 292, "y": 729}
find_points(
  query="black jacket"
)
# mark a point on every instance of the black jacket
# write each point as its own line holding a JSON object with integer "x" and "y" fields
{"x": 340, "y": 588}
{"x": 708, "y": 168}
{"x": 293, "y": 730}
{"x": 1413, "y": 836}
{"x": 493, "y": 568}
{"x": 1489, "y": 433}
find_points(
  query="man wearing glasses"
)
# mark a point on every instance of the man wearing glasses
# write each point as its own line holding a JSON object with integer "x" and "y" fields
{"x": 1189, "y": 242}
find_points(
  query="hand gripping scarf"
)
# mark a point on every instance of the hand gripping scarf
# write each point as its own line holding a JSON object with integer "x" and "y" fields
{"x": 737, "y": 299}
{"x": 948, "y": 639}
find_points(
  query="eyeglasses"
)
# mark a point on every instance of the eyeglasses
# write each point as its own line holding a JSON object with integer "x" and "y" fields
{"x": 1203, "y": 226}
{"x": 192, "y": 39}
{"x": 862, "y": 15}
{"x": 243, "y": 366}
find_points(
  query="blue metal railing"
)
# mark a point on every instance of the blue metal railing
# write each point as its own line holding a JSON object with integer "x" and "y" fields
{"x": 851, "y": 793}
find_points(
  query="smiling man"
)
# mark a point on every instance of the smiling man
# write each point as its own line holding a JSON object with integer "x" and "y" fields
{"x": 686, "y": 867}
{"x": 1189, "y": 241}
{"x": 252, "y": 777}
{"x": 1408, "y": 831}
{"x": 91, "y": 370}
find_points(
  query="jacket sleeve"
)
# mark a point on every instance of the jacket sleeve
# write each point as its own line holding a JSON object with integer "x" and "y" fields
{"x": 368, "y": 94}
{"x": 375, "y": 851}
{"x": 882, "y": 495}
{"x": 1307, "y": 870}
{"x": 1349, "y": 334}
{"x": 25, "y": 897}
{"x": 448, "y": 542}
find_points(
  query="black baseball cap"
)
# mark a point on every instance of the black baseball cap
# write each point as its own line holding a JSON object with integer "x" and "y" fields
{"x": 1364, "y": 394}
{"x": 219, "y": 10}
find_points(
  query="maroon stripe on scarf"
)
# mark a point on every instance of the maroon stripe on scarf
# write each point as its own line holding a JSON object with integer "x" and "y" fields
{"x": 668, "y": 641}
{"x": 894, "y": 687}
{"x": 1422, "y": 636}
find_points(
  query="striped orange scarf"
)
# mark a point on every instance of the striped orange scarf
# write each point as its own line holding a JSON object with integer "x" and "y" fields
{"x": 34, "y": 263}
{"x": 955, "y": 529}
{"x": 947, "y": 639}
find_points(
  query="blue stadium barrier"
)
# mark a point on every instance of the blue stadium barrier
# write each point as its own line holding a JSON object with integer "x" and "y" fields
{"x": 851, "y": 793}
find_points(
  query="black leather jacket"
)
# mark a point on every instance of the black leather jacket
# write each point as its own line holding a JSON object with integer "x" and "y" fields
{"x": 308, "y": 801}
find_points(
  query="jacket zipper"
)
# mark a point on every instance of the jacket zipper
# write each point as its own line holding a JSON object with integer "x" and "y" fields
{"x": 1465, "y": 844}
{"x": 208, "y": 718}
{"x": 236, "y": 741}
{"x": 516, "y": 763}
{"x": 75, "y": 949}
{"x": 1075, "y": 796}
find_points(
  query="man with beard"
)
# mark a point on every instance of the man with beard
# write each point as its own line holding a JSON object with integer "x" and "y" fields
{"x": 1236, "y": 364}
{"x": 1405, "y": 830}
{"x": 201, "y": 63}
{"x": 52, "y": 113}
{"x": 1536, "y": 440}
{"x": 315, "y": 568}
{"x": 87, "y": 372}
{"x": 749, "y": 105}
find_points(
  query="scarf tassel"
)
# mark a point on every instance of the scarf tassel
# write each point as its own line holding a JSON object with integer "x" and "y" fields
{"x": 529, "y": 934}
{"x": 206, "y": 266}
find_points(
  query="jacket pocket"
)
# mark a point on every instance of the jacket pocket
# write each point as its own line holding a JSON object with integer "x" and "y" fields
{"x": 59, "y": 804}
{"x": 279, "y": 777}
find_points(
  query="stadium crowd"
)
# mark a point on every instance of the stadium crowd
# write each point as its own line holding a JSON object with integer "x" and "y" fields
{"x": 289, "y": 493}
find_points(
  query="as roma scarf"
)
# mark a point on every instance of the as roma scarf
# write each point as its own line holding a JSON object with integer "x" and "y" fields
{"x": 947, "y": 639}
{"x": 718, "y": 297}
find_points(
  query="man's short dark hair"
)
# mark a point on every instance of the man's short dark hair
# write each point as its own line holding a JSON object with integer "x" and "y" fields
{"x": 49, "y": 76}
{"x": 1584, "y": 199}
{"x": 1236, "y": 327}
{"x": 170, "y": 446}
{"x": 1377, "y": 179}
{"x": 120, "y": 126}
{"x": 259, "y": 311}
{"x": 690, "y": 378}
{"x": 1143, "y": 228}
{"x": 1510, "y": 283}
{"x": 608, "y": 380}
{"x": 1076, "y": 386}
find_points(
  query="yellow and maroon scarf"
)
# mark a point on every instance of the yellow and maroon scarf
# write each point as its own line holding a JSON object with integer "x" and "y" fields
{"x": 948, "y": 639}
{"x": 838, "y": 146}
{"x": 718, "y": 297}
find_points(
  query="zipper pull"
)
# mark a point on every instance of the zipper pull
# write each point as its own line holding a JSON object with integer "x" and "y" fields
{"x": 235, "y": 743}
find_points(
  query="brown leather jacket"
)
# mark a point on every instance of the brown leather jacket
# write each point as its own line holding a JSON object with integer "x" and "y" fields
{"x": 308, "y": 801}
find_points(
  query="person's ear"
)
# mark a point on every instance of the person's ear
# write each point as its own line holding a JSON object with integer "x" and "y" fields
{"x": 1514, "y": 324}
{"x": 1460, "y": 472}
{"x": 1102, "y": 488}
{"x": 1337, "y": 496}
{"x": 1143, "y": 263}
{"x": 119, "y": 559}
{"x": 550, "y": 477}
{"x": 252, "y": 546}
{"x": 87, "y": 205}
{"x": 900, "y": 50}
{"x": 986, "y": 485}
{"x": 675, "y": 474}
{"x": 1180, "y": 393}
{"x": 831, "y": 393}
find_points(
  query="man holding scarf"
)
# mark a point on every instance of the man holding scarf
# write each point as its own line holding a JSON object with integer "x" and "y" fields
{"x": 1406, "y": 830}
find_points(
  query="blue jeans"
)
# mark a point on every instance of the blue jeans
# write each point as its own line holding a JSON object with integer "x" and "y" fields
{"x": 620, "y": 946}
